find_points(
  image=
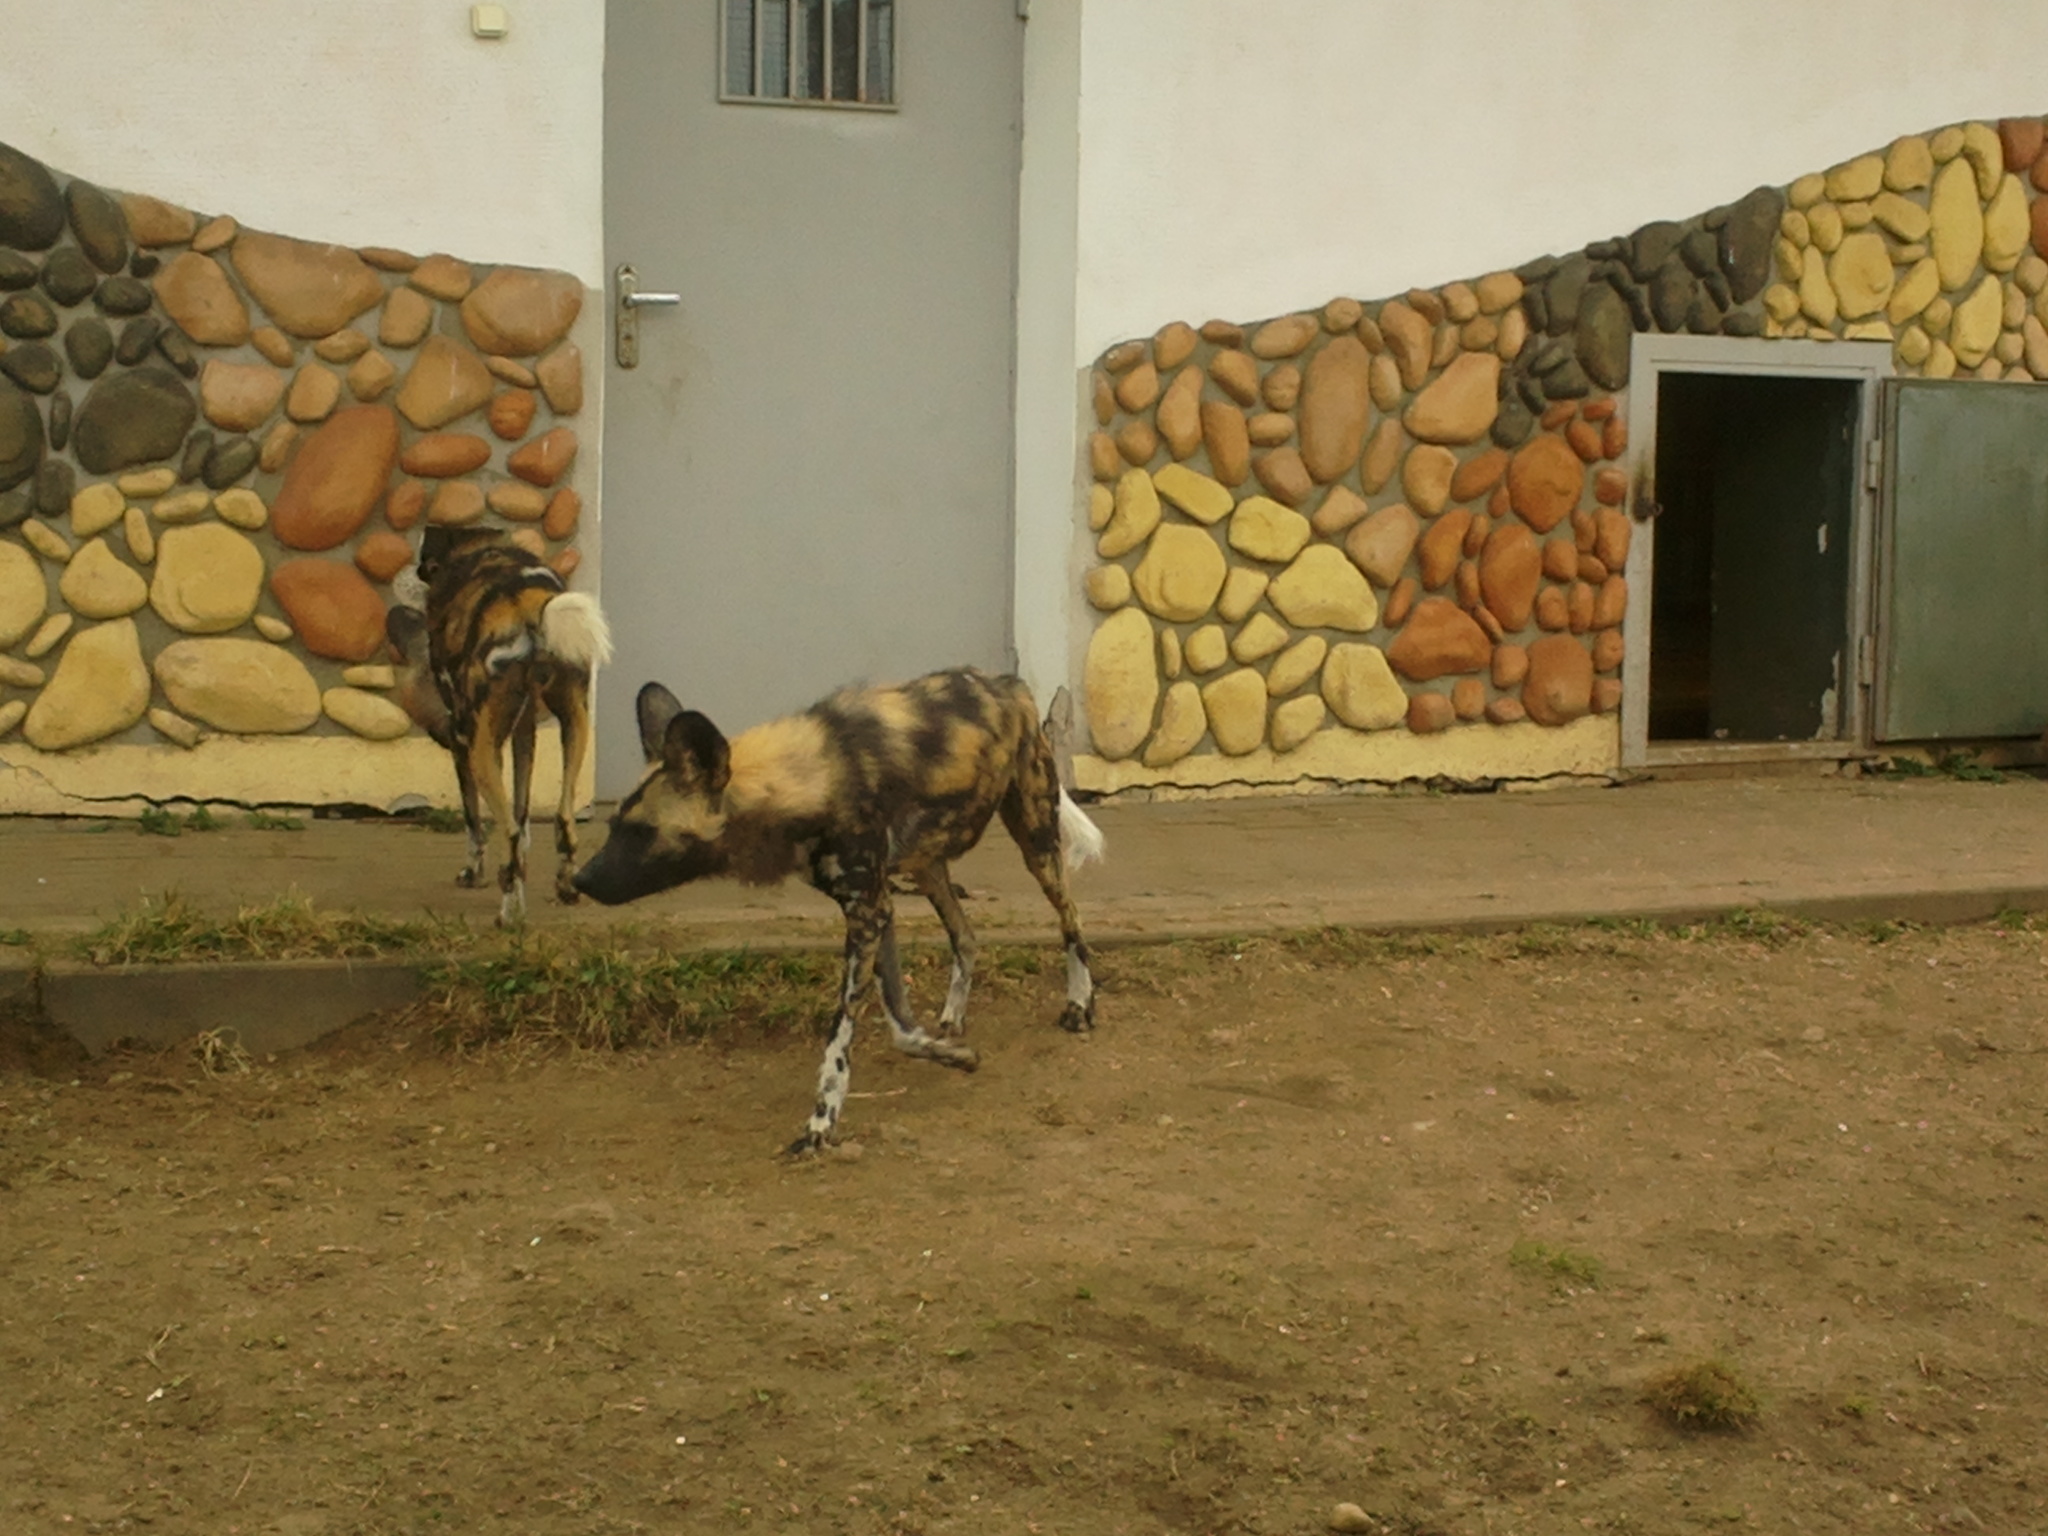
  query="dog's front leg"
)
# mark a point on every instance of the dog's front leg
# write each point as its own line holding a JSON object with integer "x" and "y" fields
{"x": 865, "y": 920}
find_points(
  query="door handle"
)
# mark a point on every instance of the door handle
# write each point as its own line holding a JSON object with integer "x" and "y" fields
{"x": 626, "y": 320}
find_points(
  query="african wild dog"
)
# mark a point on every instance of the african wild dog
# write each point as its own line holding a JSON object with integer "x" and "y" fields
{"x": 869, "y": 783}
{"x": 501, "y": 639}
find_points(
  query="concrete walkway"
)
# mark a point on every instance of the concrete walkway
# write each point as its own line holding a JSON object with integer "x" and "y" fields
{"x": 1933, "y": 850}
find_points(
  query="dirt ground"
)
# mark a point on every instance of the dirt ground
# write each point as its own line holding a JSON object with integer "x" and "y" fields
{"x": 1250, "y": 1251}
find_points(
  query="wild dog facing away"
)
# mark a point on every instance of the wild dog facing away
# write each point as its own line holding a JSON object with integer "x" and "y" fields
{"x": 501, "y": 640}
{"x": 869, "y": 783}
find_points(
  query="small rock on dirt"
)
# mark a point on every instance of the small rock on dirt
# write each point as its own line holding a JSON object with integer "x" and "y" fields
{"x": 1349, "y": 1517}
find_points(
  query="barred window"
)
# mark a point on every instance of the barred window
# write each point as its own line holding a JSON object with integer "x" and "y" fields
{"x": 818, "y": 53}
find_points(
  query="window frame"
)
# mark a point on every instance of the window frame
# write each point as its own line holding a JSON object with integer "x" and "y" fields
{"x": 827, "y": 102}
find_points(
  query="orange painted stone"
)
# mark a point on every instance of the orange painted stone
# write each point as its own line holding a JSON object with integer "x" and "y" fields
{"x": 1429, "y": 713}
{"x": 382, "y": 554}
{"x": 1579, "y": 607}
{"x": 1559, "y": 687}
{"x": 1544, "y": 481}
{"x": 560, "y": 376}
{"x": 201, "y": 302}
{"x": 1510, "y": 665}
{"x": 1592, "y": 568}
{"x": 1613, "y": 438}
{"x": 336, "y": 479}
{"x": 1560, "y": 559}
{"x": 1283, "y": 475}
{"x": 1236, "y": 375}
{"x": 407, "y": 501}
{"x": 1610, "y": 606}
{"x": 1606, "y": 695}
{"x": 335, "y": 610}
{"x": 1553, "y": 611}
{"x": 517, "y": 311}
{"x": 443, "y": 277}
{"x": 1478, "y": 475}
{"x": 370, "y": 375}
{"x": 1335, "y": 408}
{"x": 565, "y": 562}
{"x": 1400, "y": 602}
{"x": 1468, "y": 698}
{"x": 456, "y": 503}
{"x": 306, "y": 288}
{"x": 441, "y": 454}
{"x": 2020, "y": 139}
{"x": 1584, "y": 438}
{"x": 511, "y": 413}
{"x": 1228, "y": 440}
{"x": 1466, "y": 585}
{"x": 1441, "y": 544}
{"x": 387, "y": 258}
{"x": 1609, "y": 649}
{"x": 446, "y": 380}
{"x": 1610, "y": 486}
{"x": 1611, "y": 538}
{"x": 1438, "y": 640}
{"x": 407, "y": 314}
{"x": 530, "y": 540}
{"x": 1506, "y": 711}
{"x": 1509, "y": 569}
{"x": 565, "y": 509}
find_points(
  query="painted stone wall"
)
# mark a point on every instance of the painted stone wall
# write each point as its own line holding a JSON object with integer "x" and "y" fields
{"x": 217, "y": 450}
{"x": 1387, "y": 540}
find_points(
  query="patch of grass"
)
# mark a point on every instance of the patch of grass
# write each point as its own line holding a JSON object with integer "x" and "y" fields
{"x": 594, "y": 992}
{"x": 1705, "y": 1395}
{"x": 203, "y": 820}
{"x": 1880, "y": 930}
{"x": 168, "y": 929}
{"x": 1562, "y": 1265}
{"x": 158, "y": 822}
{"x": 15, "y": 937}
{"x": 440, "y": 818}
{"x": 1759, "y": 925}
{"x": 1858, "y": 1407}
{"x": 270, "y": 821}
{"x": 1961, "y": 765}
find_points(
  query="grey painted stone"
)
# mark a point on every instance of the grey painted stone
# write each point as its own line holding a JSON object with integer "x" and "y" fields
{"x": 1700, "y": 250}
{"x": 1537, "y": 308}
{"x": 1511, "y": 428}
{"x": 1564, "y": 290}
{"x": 1602, "y": 337}
{"x": 33, "y": 365}
{"x": 1746, "y": 240}
{"x": 1671, "y": 291}
{"x": 28, "y": 317}
{"x": 143, "y": 264}
{"x": 1568, "y": 382}
{"x": 1742, "y": 322}
{"x": 97, "y": 221}
{"x": 1703, "y": 315}
{"x": 68, "y": 277}
{"x": 193, "y": 460}
{"x": 54, "y": 484}
{"x": 229, "y": 461}
{"x": 16, "y": 506}
{"x": 177, "y": 351}
{"x": 132, "y": 418}
{"x": 16, "y": 271}
{"x": 269, "y": 1006}
{"x": 137, "y": 337}
{"x": 1634, "y": 296}
{"x": 21, "y": 435}
{"x": 123, "y": 296}
{"x": 1651, "y": 246}
{"x": 31, "y": 208}
{"x": 89, "y": 345}
{"x": 60, "y": 420}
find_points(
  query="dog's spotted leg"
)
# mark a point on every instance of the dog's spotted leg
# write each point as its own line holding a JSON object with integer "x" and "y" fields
{"x": 490, "y": 780}
{"x": 936, "y": 881}
{"x": 1031, "y": 811}
{"x": 570, "y": 705}
{"x": 909, "y": 1036}
{"x": 865, "y": 920}
{"x": 473, "y": 822}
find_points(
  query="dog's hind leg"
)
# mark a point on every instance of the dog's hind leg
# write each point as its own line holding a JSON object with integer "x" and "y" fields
{"x": 936, "y": 881}
{"x": 569, "y": 702}
{"x": 487, "y": 774}
{"x": 472, "y": 818}
{"x": 519, "y": 832}
{"x": 1030, "y": 808}
{"x": 910, "y": 1037}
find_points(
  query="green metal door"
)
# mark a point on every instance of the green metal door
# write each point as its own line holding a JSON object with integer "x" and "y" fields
{"x": 1962, "y": 624}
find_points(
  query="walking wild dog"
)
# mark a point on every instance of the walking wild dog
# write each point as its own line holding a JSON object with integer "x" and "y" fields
{"x": 869, "y": 783}
{"x": 501, "y": 639}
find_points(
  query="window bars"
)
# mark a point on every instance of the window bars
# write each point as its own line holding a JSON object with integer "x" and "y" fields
{"x": 810, "y": 53}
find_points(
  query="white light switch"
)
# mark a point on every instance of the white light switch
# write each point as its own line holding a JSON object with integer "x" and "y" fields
{"x": 489, "y": 21}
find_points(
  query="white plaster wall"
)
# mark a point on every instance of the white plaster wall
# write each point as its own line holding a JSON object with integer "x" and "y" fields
{"x": 1242, "y": 158}
{"x": 368, "y": 122}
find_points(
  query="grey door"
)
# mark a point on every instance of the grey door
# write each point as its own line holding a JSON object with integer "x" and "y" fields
{"x": 1962, "y": 627}
{"x": 807, "y": 477}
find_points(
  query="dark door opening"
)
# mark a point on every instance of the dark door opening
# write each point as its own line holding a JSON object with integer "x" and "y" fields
{"x": 1749, "y": 628}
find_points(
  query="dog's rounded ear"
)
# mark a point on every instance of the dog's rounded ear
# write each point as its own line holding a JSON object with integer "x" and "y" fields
{"x": 695, "y": 748}
{"x": 655, "y": 707}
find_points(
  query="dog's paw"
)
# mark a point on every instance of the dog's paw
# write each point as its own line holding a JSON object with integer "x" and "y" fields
{"x": 470, "y": 879}
{"x": 808, "y": 1145}
{"x": 1077, "y": 1020}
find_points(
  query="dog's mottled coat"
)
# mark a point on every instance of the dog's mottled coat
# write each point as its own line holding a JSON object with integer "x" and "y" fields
{"x": 869, "y": 783}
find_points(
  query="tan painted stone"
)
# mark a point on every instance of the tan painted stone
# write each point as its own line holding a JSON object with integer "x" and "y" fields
{"x": 1179, "y": 416}
{"x": 1935, "y": 317}
{"x": 242, "y": 507}
{"x": 24, "y": 592}
{"x": 1460, "y": 404}
{"x": 1296, "y": 665}
{"x": 1914, "y": 291}
{"x": 382, "y": 554}
{"x": 406, "y": 317}
{"x": 456, "y": 504}
{"x": 176, "y": 728}
{"x": 371, "y": 375}
{"x": 215, "y": 233}
{"x": 1242, "y": 589}
{"x": 1182, "y": 724}
{"x": 1339, "y": 509}
{"x": 1295, "y": 721}
{"x": 96, "y": 509}
{"x": 1281, "y": 387}
{"x": 1382, "y": 456}
{"x": 1974, "y": 330}
{"x": 2034, "y": 346}
{"x": 446, "y": 380}
{"x": 2031, "y": 274}
{"x": 518, "y": 312}
{"x": 1411, "y": 342}
{"x": 1900, "y": 216}
{"x": 1206, "y": 649}
{"x": 1108, "y": 587}
{"x": 48, "y": 633}
{"x": 517, "y": 501}
{"x": 1335, "y": 406}
{"x": 1181, "y": 573}
{"x": 1793, "y": 226}
{"x": 201, "y": 302}
{"x": 183, "y": 506}
{"x": 1860, "y": 273}
{"x": 249, "y": 687}
{"x": 1169, "y": 654}
{"x": 307, "y": 289}
{"x": 1426, "y": 476}
{"x": 1361, "y": 688}
{"x": 270, "y": 628}
{"x": 2008, "y": 226}
{"x": 1956, "y": 223}
{"x": 560, "y": 377}
{"x": 1324, "y": 590}
{"x": 1941, "y": 362}
{"x": 1285, "y": 337}
{"x": 11, "y": 713}
{"x": 344, "y": 346}
{"x": 1236, "y": 706}
{"x": 1908, "y": 165}
{"x": 1381, "y": 544}
{"x": 1559, "y": 687}
{"x": 1514, "y": 335}
{"x": 1265, "y": 530}
{"x": 1261, "y": 636}
{"x": 366, "y": 714}
{"x": 370, "y": 675}
{"x": 1121, "y": 685}
{"x": 1236, "y": 375}
{"x": 1134, "y": 515}
{"x": 239, "y": 397}
{"x": 100, "y": 688}
{"x": 207, "y": 579}
{"x": 45, "y": 541}
{"x": 1781, "y": 303}
{"x": 1173, "y": 344}
{"x": 314, "y": 393}
{"x": 1203, "y": 499}
{"x": 1498, "y": 291}
{"x": 19, "y": 674}
{"x": 153, "y": 222}
{"x": 273, "y": 345}
{"x": 443, "y": 277}
{"x": 1271, "y": 428}
{"x": 1137, "y": 389}
{"x": 99, "y": 584}
{"x": 1229, "y": 443}
{"x": 139, "y": 536}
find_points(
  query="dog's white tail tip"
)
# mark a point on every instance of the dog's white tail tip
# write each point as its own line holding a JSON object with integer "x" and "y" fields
{"x": 1079, "y": 837}
{"x": 573, "y": 629}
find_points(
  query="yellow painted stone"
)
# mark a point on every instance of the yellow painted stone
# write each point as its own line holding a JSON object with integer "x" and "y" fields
{"x": 1182, "y": 724}
{"x": 1985, "y": 155}
{"x": 19, "y": 674}
{"x": 1296, "y": 665}
{"x": 1825, "y": 220}
{"x": 1108, "y": 587}
{"x": 1206, "y": 649}
{"x": 1181, "y": 573}
{"x": 1913, "y": 292}
{"x": 1956, "y": 223}
{"x": 140, "y": 537}
{"x": 1203, "y": 499}
{"x": 238, "y": 685}
{"x": 24, "y": 592}
{"x": 2031, "y": 274}
{"x": 1856, "y": 179}
{"x": 1260, "y": 638}
{"x": 208, "y": 578}
{"x": 1912, "y": 346}
{"x": 1780, "y": 302}
{"x": 1974, "y": 331}
{"x": 1100, "y": 504}
{"x": 1817, "y": 295}
{"x": 147, "y": 482}
{"x": 1900, "y": 216}
{"x": 1361, "y": 688}
{"x": 1265, "y": 530}
{"x": 1790, "y": 259}
{"x": 1807, "y": 190}
{"x": 1169, "y": 654}
{"x": 367, "y": 714}
{"x": 241, "y": 507}
{"x": 184, "y": 507}
{"x": 96, "y": 509}
{"x": 1134, "y": 515}
{"x": 1860, "y": 271}
{"x": 273, "y": 629}
{"x": 1324, "y": 590}
{"x": 1297, "y": 720}
{"x": 1941, "y": 362}
{"x": 1242, "y": 589}
{"x": 46, "y": 541}
{"x": 98, "y": 584}
{"x": 176, "y": 728}
{"x": 1946, "y": 144}
{"x": 100, "y": 688}
{"x": 370, "y": 675}
{"x": 1120, "y": 684}
{"x": 1792, "y": 226}
{"x": 2007, "y": 227}
{"x": 1855, "y": 215}
{"x": 1236, "y": 706}
{"x": 1936, "y": 316}
{"x": 11, "y": 713}
{"x": 1867, "y": 330}
{"x": 47, "y": 634}
{"x": 1908, "y": 165}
